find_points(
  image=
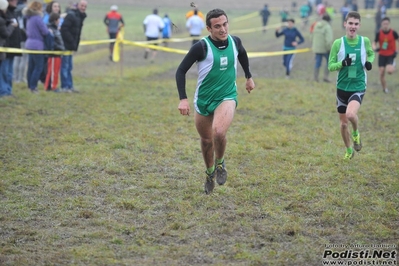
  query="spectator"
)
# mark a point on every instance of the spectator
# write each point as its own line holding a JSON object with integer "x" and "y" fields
{"x": 71, "y": 6}
{"x": 153, "y": 24}
{"x": 36, "y": 31}
{"x": 54, "y": 61}
{"x": 321, "y": 9}
{"x": 5, "y": 32}
{"x": 355, "y": 6}
{"x": 344, "y": 11}
{"x": 13, "y": 41}
{"x": 330, "y": 10}
{"x": 191, "y": 13}
{"x": 310, "y": 4}
{"x": 304, "y": 11}
{"x": 52, "y": 7}
{"x": 382, "y": 8}
{"x": 293, "y": 7}
{"x": 21, "y": 62}
{"x": 265, "y": 14}
{"x": 380, "y": 14}
{"x": 284, "y": 14}
{"x": 167, "y": 29}
{"x": 291, "y": 41}
{"x": 322, "y": 39}
{"x": 71, "y": 30}
{"x": 369, "y": 4}
{"x": 195, "y": 25}
{"x": 114, "y": 22}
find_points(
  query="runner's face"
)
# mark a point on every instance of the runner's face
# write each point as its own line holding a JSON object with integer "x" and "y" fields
{"x": 385, "y": 25}
{"x": 219, "y": 28}
{"x": 351, "y": 26}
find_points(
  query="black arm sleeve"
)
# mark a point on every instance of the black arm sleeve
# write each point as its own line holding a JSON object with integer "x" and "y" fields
{"x": 242, "y": 57}
{"x": 377, "y": 37}
{"x": 196, "y": 53}
{"x": 395, "y": 35}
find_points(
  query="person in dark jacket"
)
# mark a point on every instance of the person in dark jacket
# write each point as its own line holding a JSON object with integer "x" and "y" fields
{"x": 70, "y": 31}
{"x": 265, "y": 14}
{"x": 54, "y": 61}
{"x": 292, "y": 39}
{"x": 13, "y": 41}
{"x": 6, "y": 29}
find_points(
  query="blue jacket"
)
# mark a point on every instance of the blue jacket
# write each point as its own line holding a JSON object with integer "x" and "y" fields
{"x": 291, "y": 36}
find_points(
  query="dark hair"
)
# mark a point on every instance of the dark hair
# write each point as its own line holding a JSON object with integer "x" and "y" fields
{"x": 155, "y": 11}
{"x": 385, "y": 18}
{"x": 291, "y": 19}
{"x": 214, "y": 13}
{"x": 49, "y": 7}
{"x": 326, "y": 17}
{"x": 353, "y": 14}
{"x": 195, "y": 11}
{"x": 53, "y": 17}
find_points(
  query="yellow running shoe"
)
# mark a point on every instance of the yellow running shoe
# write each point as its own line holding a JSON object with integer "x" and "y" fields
{"x": 349, "y": 155}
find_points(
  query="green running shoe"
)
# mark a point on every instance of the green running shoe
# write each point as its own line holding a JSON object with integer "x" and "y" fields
{"x": 349, "y": 155}
{"x": 357, "y": 143}
{"x": 209, "y": 182}
{"x": 221, "y": 173}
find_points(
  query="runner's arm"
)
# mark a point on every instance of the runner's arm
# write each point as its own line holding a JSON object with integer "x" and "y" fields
{"x": 242, "y": 57}
{"x": 369, "y": 50}
{"x": 195, "y": 53}
{"x": 301, "y": 39}
{"x": 279, "y": 33}
{"x": 333, "y": 65}
{"x": 396, "y": 36}
{"x": 376, "y": 42}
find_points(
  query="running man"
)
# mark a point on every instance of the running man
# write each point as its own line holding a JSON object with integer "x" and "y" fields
{"x": 291, "y": 41}
{"x": 114, "y": 22}
{"x": 215, "y": 98}
{"x": 385, "y": 43}
{"x": 351, "y": 56}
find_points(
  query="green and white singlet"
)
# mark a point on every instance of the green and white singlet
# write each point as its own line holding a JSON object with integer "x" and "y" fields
{"x": 217, "y": 75}
{"x": 354, "y": 77}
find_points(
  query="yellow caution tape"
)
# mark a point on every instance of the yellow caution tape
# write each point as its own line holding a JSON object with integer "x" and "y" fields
{"x": 153, "y": 45}
{"x": 26, "y": 51}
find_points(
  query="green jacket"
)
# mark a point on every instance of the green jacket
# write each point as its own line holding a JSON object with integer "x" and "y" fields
{"x": 322, "y": 37}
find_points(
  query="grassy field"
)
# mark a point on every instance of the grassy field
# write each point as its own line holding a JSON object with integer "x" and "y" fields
{"x": 114, "y": 175}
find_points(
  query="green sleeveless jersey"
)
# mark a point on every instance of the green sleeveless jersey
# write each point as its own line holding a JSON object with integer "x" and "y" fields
{"x": 354, "y": 77}
{"x": 217, "y": 75}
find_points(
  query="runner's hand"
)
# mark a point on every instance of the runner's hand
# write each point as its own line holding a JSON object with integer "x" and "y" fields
{"x": 347, "y": 61}
{"x": 368, "y": 65}
{"x": 184, "y": 107}
{"x": 250, "y": 85}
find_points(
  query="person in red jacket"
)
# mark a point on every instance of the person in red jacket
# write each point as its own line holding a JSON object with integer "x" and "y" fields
{"x": 385, "y": 43}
